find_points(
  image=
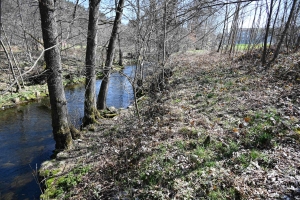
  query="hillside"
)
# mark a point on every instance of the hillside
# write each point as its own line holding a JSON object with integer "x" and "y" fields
{"x": 222, "y": 129}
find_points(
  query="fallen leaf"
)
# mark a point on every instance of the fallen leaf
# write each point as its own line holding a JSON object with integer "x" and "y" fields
{"x": 235, "y": 130}
{"x": 247, "y": 119}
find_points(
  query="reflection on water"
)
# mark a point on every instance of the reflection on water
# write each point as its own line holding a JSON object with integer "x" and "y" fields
{"x": 119, "y": 95}
{"x": 26, "y": 136}
{"x": 21, "y": 132}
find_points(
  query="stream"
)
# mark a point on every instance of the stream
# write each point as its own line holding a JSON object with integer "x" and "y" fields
{"x": 26, "y": 138}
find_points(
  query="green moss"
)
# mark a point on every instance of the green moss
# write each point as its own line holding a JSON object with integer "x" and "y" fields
{"x": 49, "y": 182}
{"x": 29, "y": 93}
{"x": 99, "y": 75}
{"x": 57, "y": 186}
{"x": 45, "y": 173}
{"x": 227, "y": 193}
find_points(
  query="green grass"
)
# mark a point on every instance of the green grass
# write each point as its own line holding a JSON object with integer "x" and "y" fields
{"x": 262, "y": 129}
{"x": 246, "y": 46}
{"x": 57, "y": 187}
{"x": 198, "y": 51}
{"x": 227, "y": 193}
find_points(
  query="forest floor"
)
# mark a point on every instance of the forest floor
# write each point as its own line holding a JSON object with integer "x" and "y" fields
{"x": 222, "y": 129}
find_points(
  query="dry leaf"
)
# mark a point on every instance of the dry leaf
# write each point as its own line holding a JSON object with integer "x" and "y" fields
{"x": 247, "y": 119}
{"x": 235, "y": 130}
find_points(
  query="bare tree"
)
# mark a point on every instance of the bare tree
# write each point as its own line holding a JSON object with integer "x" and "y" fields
{"x": 284, "y": 32}
{"x": 269, "y": 15}
{"x": 90, "y": 110}
{"x": 101, "y": 101}
{"x": 59, "y": 113}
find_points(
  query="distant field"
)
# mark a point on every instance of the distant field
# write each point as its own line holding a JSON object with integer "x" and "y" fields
{"x": 242, "y": 47}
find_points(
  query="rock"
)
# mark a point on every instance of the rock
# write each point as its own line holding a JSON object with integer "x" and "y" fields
{"x": 16, "y": 100}
{"x": 37, "y": 94}
{"x": 112, "y": 109}
{"x": 62, "y": 155}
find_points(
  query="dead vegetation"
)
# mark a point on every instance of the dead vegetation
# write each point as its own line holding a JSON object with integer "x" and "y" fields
{"x": 222, "y": 129}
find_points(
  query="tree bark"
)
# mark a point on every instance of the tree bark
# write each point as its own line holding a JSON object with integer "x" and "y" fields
{"x": 0, "y": 20}
{"x": 101, "y": 101}
{"x": 59, "y": 113}
{"x": 120, "y": 51}
{"x": 90, "y": 110}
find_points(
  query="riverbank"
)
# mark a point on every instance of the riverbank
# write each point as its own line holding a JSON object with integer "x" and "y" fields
{"x": 221, "y": 129}
{"x": 27, "y": 94}
{"x": 33, "y": 92}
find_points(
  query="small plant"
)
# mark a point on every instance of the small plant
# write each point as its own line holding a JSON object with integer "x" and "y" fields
{"x": 180, "y": 145}
{"x": 244, "y": 160}
{"x": 210, "y": 164}
{"x": 254, "y": 154}
{"x": 197, "y": 95}
{"x": 264, "y": 139}
{"x": 229, "y": 84}
{"x": 210, "y": 95}
{"x": 206, "y": 155}
{"x": 262, "y": 128}
{"x": 184, "y": 130}
{"x": 227, "y": 151}
{"x": 217, "y": 194}
{"x": 57, "y": 187}
{"x": 190, "y": 133}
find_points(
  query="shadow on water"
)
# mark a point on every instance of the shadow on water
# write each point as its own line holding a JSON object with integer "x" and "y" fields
{"x": 26, "y": 135}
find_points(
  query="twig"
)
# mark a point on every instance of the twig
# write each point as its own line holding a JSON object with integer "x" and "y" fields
{"x": 32, "y": 67}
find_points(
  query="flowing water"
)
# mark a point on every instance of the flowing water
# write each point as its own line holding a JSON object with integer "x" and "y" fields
{"x": 26, "y": 138}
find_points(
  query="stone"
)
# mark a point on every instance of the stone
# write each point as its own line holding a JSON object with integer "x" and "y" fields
{"x": 16, "y": 100}
{"x": 112, "y": 109}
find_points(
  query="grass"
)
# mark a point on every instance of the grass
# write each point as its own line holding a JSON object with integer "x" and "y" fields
{"x": 227, "y": 193}
{"x": 226, "y": 151}
{"x": 29, "y": 93}
{"x": 174, "y": 160}
{"x": 261, "y": 130}
{"x": 59, "y": 187}
{"x": 243, "y": 47}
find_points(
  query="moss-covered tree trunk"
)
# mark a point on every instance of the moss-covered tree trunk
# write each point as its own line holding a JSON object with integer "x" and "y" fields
{"x": 101, "y": 101}
{"x": 59, "y": 113}
{"x": 90, "y": 110}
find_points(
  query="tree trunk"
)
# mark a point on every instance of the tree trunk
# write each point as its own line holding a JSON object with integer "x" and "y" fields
{"x": 283, "y": 34}
{"x": 264, "y": 53}
{"x": 224, "y": 28}
{"x": 101, "y": 101}
{"x": 59, "y": 113}
{"x": 0, "y": 20}
{"x": 120, "y": 51}
{"x": 24, "y": 31}
{"x": 11, "y": 67}
{"x": 90, "y": 110}
{"x": 297, "y": 45}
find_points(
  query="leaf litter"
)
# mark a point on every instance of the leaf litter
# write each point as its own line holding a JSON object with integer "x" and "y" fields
{"x": 221, "y": 129}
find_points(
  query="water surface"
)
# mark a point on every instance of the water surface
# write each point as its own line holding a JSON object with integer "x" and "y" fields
{"x": 26, "y": 138}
